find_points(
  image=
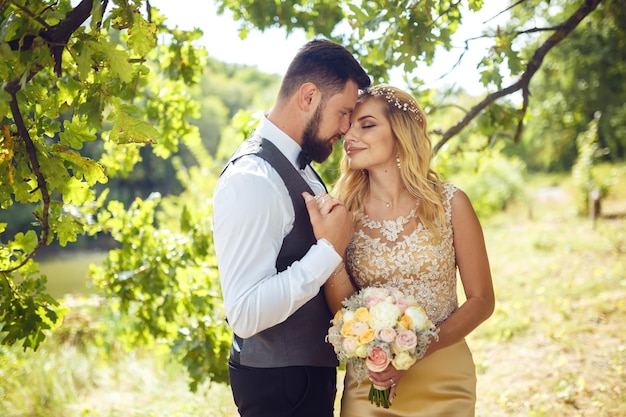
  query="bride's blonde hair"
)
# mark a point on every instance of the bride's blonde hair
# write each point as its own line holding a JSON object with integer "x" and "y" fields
{"x": 409, "y": 128}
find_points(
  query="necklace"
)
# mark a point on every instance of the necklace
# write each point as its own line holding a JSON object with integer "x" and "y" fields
{"x": 386, "y": 203}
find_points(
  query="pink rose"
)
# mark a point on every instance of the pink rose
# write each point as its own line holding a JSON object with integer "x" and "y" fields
{"x": 377, "y": 360}
{"x": 359, "y": 328}
{"x": 386, "y": 335}
{"x": 374, "y": 295}
{"x": 406, "y": 340}
{"x": 349, "y": 345}
{"x": 401, "y": 300}
{"x": 334, "y": 337}
{"x": 396, "y": 294}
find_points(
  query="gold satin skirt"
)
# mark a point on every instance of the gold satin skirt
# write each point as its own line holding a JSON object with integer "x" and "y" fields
{"x": 441, "y": 385}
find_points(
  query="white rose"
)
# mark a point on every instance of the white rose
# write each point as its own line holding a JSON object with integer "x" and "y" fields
{"x": 384, "y": 315}
{"x": 348, "y": 316}
{"x": 419, "y": 319}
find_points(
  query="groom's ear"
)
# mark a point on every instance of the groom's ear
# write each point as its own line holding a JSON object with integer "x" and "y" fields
{"x": 308, "y": 97}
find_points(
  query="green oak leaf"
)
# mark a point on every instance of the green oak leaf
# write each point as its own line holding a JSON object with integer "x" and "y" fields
{"x": 75, "y": 132}
{"x": 77, "y": 192}
{"x": 118, "y": 60}
{"x": 142, "y": 36}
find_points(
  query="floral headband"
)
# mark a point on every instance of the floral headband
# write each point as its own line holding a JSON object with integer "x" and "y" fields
{"x": 390, "y": 95}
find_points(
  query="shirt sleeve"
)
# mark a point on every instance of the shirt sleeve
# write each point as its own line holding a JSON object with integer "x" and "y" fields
{"x": 252, "y": 213}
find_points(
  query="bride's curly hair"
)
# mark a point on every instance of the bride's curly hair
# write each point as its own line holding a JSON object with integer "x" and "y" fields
{"x": 410, "y": 130}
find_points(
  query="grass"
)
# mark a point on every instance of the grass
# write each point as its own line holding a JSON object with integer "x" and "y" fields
{"x": 555, "y": 344}
{"x": 554, "y": 347}
{"x": 73, "y": 279}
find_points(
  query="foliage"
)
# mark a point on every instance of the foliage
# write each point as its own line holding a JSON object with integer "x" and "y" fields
{"x": 589, "y": 184}
{"x": 491, "y": 180}
{"x": 85, "y": 369}
{"x": 224, "y": 90}
{"x": 165, "y": 274}
{"x": 585, "y": 75}
{"x": 407, "y": 34}
{"x": 95, "y": 71}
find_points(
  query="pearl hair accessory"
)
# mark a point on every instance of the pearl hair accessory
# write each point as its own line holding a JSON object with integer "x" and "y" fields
{"x": 390, "y": 96}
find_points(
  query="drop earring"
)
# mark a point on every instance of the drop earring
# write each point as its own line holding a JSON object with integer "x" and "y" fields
{"x": 398, "y": 160}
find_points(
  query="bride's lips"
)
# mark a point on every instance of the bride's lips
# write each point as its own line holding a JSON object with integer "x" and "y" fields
{"x": 351, "y": 150}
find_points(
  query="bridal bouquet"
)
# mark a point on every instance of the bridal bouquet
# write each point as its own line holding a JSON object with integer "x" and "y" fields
{"x": 377, "y": 327}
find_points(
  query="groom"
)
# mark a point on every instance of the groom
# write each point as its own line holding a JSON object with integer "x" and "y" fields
{"x": 271, "y": 263}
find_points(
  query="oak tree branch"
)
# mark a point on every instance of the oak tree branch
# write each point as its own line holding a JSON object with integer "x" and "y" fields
{"x": 533, "y": 65}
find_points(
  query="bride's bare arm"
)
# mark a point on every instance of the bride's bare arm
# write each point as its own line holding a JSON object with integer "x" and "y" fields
{"x": 338, "y": 287}
{"x": 475, "y": 273}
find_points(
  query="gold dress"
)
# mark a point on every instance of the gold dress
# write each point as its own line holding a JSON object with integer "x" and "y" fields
{"x": 404, "y": 254}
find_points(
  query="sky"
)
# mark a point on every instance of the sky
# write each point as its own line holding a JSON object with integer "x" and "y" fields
{"x": 222, "y": 42}
{"x": 222, "y": 39}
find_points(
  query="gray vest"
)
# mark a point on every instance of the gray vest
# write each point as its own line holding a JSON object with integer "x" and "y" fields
{"x": 299, "y": 340}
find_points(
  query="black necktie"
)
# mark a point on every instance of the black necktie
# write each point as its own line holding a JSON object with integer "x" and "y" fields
{"x": 304, "y": 159}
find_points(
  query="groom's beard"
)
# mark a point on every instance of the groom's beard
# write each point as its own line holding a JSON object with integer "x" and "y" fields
{"x": 318, "y": 149}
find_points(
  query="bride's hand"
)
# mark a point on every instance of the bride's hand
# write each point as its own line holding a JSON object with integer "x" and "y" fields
{"x": 326, "y": 203}
{"x": 389, "y": 378}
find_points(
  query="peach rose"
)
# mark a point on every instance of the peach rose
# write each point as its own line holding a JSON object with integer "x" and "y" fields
{"x": 406, "y": 322}
{"x": 338, "y": 317}
{"x": 377, "y": 359}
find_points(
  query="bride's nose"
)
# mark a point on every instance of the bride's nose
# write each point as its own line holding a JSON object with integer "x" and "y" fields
{"x": 349, "y": 135}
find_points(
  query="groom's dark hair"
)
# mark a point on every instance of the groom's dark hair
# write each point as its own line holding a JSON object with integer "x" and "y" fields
{"x": 326, "y": 64}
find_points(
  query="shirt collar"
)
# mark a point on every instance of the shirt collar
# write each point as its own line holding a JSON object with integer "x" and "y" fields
{"x": 288, "y": 146}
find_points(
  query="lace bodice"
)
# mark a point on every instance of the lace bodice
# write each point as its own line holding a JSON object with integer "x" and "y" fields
{"x": 403, "y": 253}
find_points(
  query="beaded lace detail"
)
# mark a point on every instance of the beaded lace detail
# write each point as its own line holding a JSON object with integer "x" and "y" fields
{"x": 390, "y": 229}
{"x": 403, "y": 253}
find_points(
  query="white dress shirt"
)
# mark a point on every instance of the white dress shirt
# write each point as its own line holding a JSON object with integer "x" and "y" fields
{"x": 252, "y": 214}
